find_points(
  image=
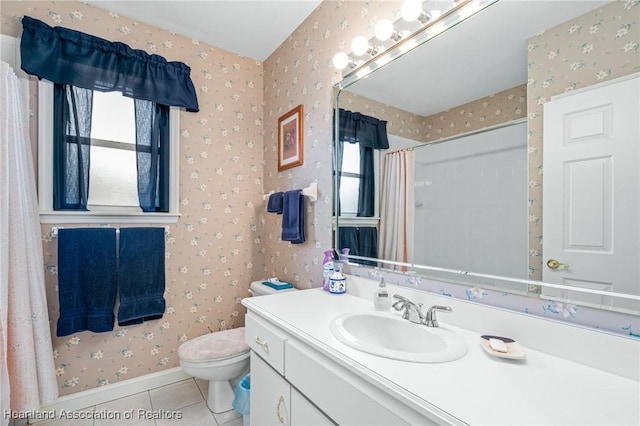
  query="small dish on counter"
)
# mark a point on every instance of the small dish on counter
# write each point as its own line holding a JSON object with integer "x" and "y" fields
{"x": 513, "y": 348}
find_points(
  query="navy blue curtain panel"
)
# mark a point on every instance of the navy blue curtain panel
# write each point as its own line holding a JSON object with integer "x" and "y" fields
{"x": 141, "y": 275}
{"x": 367, "y": 184}
{"x": 152, "y": 155}
{"x": 66, "y": 56}
{"x": 367, "y": 131}
{"x": 87, "y": 281}
{"x": 362, "y": 241}
{"x": 72, "y": 144}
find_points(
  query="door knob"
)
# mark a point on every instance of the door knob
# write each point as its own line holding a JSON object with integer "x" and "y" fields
{"x": 554, "y": 264}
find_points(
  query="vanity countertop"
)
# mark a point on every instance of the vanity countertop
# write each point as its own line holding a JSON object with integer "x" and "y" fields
{"x": 477, "y": 389}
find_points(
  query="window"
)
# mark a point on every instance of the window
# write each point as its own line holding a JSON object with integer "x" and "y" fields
{"x": 350, "y": 177}
{"x": 113, "y": 153}
{"x": 113, "y": 194}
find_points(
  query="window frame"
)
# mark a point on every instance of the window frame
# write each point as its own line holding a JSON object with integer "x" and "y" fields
{"x": 107, "y": 214}
{"x": 351, "y": 219}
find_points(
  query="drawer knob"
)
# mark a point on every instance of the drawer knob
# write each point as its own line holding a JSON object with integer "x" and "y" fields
{"x": 262, "y": 343}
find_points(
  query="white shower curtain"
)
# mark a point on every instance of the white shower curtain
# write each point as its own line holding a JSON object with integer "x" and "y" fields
{"x": 27, "y": 373}
{"x": 397, "y": 211}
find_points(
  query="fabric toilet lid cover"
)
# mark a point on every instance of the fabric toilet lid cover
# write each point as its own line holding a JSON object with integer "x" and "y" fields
{"x": 218, "y": 345}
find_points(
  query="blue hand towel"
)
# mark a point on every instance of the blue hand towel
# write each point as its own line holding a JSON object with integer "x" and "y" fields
{"x": 86, "y": 280}
{"x": 141, "y": 275}
{"x": 293, "y": 217}
{"x": 275, "y": 202}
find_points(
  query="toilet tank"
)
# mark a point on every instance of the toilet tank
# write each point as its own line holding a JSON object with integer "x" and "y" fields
{"x": 259, "y": 289}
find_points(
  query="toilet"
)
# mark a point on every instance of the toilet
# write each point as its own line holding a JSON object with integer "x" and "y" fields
{"x": 220, "y": 357}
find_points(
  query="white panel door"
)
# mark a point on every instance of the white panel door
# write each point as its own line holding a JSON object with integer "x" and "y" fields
{"x": 591, "y": 191}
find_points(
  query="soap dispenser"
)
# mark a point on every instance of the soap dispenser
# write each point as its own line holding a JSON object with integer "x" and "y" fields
{"x": 381, "y": 299}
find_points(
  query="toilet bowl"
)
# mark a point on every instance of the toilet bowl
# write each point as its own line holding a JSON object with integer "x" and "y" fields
{"x": 220, "y": 358}
{"x": 217, "y": 357}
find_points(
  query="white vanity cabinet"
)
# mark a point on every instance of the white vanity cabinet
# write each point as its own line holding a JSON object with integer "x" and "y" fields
{"x": 273, "y": 401}
{"x": 323, "y": 381}
{"x": 286, "y": 375}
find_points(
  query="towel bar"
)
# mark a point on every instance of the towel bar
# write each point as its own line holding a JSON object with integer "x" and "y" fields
{"x": 310, "y": 191}
{"x": 54, "y": 230}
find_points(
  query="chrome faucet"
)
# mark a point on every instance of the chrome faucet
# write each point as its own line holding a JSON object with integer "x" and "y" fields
{"x": 430, "y": 318}
{"x": 413, "y": 312}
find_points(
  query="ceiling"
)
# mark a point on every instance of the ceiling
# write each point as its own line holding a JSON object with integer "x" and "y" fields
{"x": 450, "y": 70}
{"x": 251, "y": 28}
{"x": 482, "y": 56}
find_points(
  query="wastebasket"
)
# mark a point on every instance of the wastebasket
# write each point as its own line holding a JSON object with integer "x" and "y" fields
{"x": 241, "y": 400}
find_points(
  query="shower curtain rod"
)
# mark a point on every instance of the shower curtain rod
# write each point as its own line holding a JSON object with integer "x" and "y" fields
{"x": 471, "y": 133}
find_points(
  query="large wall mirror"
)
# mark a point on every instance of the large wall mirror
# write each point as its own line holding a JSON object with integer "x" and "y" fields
{"x": 460, "y": 194}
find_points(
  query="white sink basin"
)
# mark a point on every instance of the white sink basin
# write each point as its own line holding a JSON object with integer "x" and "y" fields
{"x": 390, "y": 336}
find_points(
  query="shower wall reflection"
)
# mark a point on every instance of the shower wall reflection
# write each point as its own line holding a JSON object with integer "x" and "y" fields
{"x": 471, "y": 203}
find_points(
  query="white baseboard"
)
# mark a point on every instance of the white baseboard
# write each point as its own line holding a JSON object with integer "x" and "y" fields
{"x": 102, "y": 394}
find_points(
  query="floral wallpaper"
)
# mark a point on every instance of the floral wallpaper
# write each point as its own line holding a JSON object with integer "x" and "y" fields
{"x": 300, "y": 71}
{"x": 583, "y": 316}
{"x": 215, "y": 250}
{"x": 497, "y": 108}
{"x": 225, "y": 239}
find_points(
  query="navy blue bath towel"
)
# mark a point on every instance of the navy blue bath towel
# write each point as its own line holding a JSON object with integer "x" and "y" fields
{"x": 293, "y": 217}
{"x": 141, "y": 275}
{"x": 86, "y": 280}
{"x": 275, "y": 202}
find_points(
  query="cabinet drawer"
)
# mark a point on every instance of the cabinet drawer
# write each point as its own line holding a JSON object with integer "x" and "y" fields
{"x": 265, "y": 341}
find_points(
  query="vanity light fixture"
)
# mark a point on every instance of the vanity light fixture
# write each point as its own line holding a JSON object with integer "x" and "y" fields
{"x": 341, "y": 61}
{"x": 417, "y": 26}
{"x": 360, "y": 46}
{"x": 412, "y": 11}
{"x": 385, "y": 31}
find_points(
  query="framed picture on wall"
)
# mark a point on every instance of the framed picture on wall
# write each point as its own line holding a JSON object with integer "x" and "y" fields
{"x": 290, "y": 139}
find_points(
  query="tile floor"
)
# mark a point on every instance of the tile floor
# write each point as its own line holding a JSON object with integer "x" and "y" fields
{"x": 186, "y": 398}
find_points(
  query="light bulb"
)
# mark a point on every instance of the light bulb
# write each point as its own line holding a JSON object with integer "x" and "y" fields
{"x": 340, "y": 60}
{"x": 411, "y": 10}
{"x": 360, "y": 46}
{"x": 384, "y": 29}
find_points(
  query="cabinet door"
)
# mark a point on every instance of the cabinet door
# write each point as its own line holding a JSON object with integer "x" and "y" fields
{"x": 304, "y": 413}
{"x": 270, "y": 397}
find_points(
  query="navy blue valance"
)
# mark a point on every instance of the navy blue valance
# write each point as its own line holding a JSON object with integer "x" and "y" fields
{"x": 66, "y": 56}
{"x": 369, "y": 132}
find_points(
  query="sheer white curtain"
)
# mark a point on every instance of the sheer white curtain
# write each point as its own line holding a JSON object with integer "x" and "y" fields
{"x": 396, "y": 240}
{"x": 27, "y": 373}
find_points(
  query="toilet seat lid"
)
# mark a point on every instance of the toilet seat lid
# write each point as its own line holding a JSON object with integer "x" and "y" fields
{"x": 214, "y": 346}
